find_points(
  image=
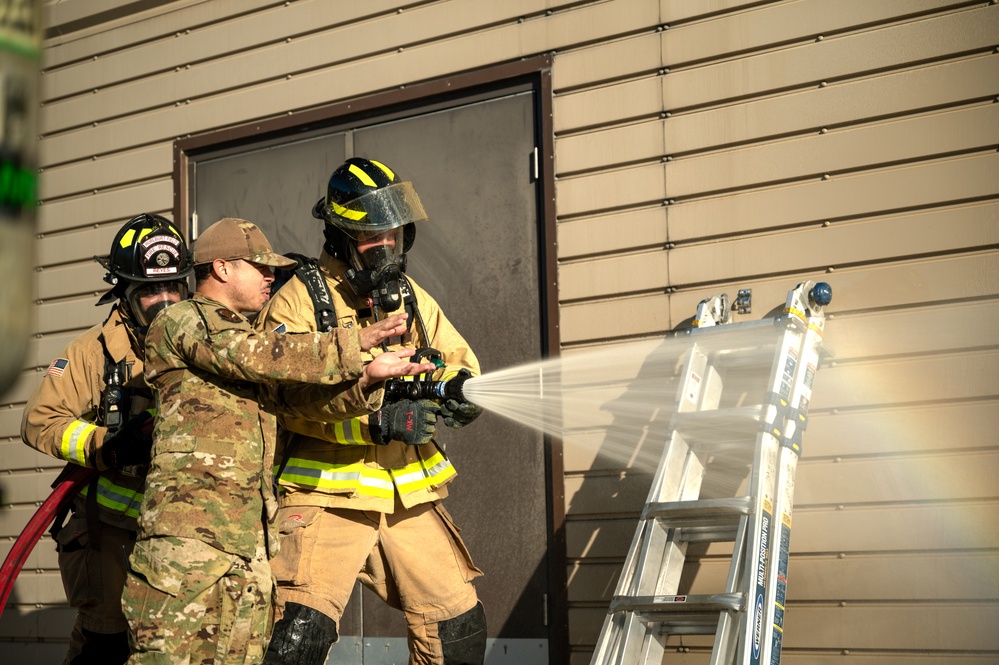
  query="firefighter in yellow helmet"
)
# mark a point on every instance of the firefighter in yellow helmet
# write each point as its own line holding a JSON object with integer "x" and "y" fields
{"x": 362, "y": 499}
{"x": 90, "y": 409}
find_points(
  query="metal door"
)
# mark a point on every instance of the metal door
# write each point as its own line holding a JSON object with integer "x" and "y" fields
{"x": 473, "y": 166}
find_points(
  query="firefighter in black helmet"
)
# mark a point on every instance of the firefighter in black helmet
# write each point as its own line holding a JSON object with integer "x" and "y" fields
{"x": 362, "y": 498}
{"x": 91, "y": 409}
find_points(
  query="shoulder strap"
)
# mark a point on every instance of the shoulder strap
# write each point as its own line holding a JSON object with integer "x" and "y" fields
{"x": 322, "y": 301}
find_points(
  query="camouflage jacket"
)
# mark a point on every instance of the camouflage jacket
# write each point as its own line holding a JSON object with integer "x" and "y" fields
{"x": 64, "y": 416}
{"x": 333, "y": 463}
{"x": 219, "y": 386}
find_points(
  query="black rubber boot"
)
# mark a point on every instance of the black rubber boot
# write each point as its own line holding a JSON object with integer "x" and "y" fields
{"x": 303, "y": 636}
{"x": 103, "y": 649}
{"x": 463, "y": 638}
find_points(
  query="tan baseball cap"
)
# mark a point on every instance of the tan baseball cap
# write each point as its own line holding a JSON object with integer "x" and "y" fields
{"x": 232, "y": 238}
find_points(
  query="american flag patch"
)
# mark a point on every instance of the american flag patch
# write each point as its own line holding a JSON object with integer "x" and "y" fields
{"x": 58, "y": 366}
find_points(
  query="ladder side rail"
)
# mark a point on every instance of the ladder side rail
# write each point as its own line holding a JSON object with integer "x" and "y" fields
{"x": 797, "y": 420}
{"x": 761, "y": 487}
{"x": 625, "y": 637}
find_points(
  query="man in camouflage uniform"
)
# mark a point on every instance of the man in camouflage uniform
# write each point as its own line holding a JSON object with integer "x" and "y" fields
{"x": 363, "y": 497}
{"x": 90, "y": 410}
{"x": 199, "y": 588}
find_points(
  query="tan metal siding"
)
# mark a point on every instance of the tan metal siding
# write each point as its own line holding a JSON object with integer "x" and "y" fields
{"x": 691, "y": 159}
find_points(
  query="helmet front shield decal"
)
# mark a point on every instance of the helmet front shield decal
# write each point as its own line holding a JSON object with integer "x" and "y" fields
{"x": 377, "y": 211}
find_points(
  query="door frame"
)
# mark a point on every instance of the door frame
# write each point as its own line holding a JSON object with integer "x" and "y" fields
{"x": 533, "y": 74}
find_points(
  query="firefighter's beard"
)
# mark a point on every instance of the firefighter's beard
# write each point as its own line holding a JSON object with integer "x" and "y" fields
{"x": 378, "y": 274}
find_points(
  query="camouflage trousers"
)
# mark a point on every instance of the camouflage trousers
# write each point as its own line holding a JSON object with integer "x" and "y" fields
{"x": 187, "y": 602}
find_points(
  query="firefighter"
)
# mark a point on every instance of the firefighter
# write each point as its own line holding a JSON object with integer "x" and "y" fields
{"x": 362, "y": 497}
{"x": 199, "y": 587}
{"x": 91, "y": 410}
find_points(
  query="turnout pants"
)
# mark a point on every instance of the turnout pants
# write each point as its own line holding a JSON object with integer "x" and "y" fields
{"x": 413, "y": 559}
{"x": 93, "y": 578}
{"x": 187, "y": 602}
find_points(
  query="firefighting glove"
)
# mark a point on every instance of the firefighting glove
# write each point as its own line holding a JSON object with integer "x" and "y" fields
{"x": 131, "y": 444}
{"x": 458, "y": 414}
{"x": 409, "y": 421}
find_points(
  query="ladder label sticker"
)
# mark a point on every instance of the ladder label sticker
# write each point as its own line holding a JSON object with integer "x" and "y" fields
{"x": 693, "y": 388}
{"x": 761, "y": 578}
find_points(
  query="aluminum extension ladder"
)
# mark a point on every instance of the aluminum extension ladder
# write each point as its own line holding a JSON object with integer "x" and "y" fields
{"x": 747, "y": 616}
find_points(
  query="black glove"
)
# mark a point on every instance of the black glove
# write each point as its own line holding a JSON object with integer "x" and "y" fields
{"x": 458, "y": 414}
{"x": 131, "y": 444}
{"x": 409, "y": 421}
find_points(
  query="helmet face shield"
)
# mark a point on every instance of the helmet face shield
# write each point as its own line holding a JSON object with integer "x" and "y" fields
{"x": 377, "y": 211}
{"x": 147, "y": 299}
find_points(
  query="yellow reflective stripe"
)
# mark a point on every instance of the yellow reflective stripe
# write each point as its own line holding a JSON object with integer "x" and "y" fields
{"x": 387, "y": 170}
{"x": 355, "y": 215}
{"x": 361, "y": 175}
{"x": 126, "y": 238}
{"x": 366, "y": 480}
{"x": 354, "y": 477}
{"x": 117, "y": 498}
{"x": 348, "y": 432}
{"x": 422, "y": 474}
{"x": 74, "y": 441}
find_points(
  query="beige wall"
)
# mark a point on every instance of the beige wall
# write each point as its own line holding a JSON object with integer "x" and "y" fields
{"x": 746, "y": 145}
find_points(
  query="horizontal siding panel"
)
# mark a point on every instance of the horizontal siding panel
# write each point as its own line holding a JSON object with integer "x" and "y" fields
{"x": 43, "y": 349}
{"x": 10, "y": 430}
{"x": 27, "y": 487}
{"x": 868, "y": 193}
{"x": 608, "y": 60}
{"x": 223, "y": 33}
{"x": 621, "y": 145}
{"x": 609, "y": 233}
{"x": 928, "y": 379}
{"x": 605, "y": 277}
{"x": 837, "y": 151}
{"x": 77, "y": 246}
{"x": 18, "y": 455}
{"x": 940, "y": 427}
{"x": 933, "y": 577}
{"x": 45, "y": 588}
{"x": 936, "y": 231}
{"x": 895, "y": 528}
{"x": 43, "y": 556}
{"x": 34, "y": 623}
{"x": 601, "y": 106}
{"x": 22, "y": 388}
{"x": 779, "y": 24}
{"x": 937, "y": 428}
{"x": 904, "y": 283}
{"x": 846, "y": 56}
{"x": 965, "y": 476}
{"x": 64, "y": 315}
{"x": 256, "y": 53}
{"x": 842, "y": 102}
{"x": 926, "y": 330}
{"x": 415, "y": 64}
{"x": 74, "y": 279}
{"x": 118, "y": 205}
{"x": 61, "y": 50}
{"x": 896, "y": 284}
{"x": 146, "y": 163}
{"x": 619, "y": 317}
{"x": 613, "y": 189}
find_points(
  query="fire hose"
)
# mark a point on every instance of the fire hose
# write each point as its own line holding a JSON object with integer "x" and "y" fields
{"x": 39, "y": 522}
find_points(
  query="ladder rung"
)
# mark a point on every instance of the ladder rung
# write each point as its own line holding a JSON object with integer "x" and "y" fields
{"x": 650, "y": 607}
{"x": 704, "y": 512}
